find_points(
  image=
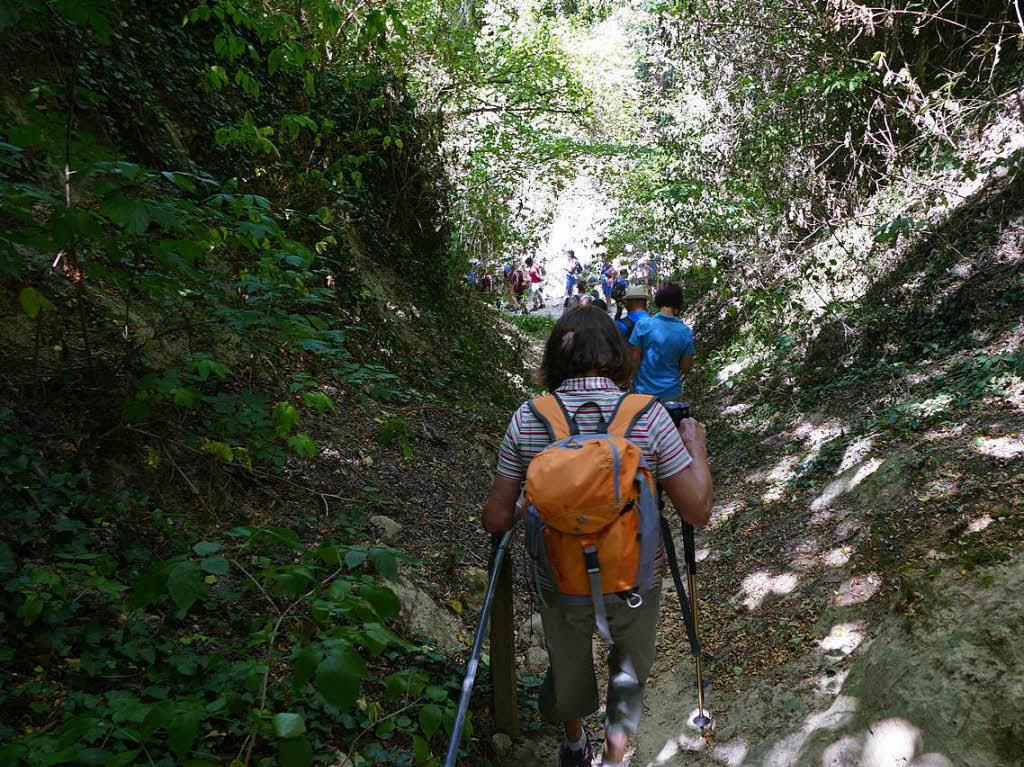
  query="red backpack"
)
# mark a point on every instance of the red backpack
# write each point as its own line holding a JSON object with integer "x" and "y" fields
{"x": 518, "y": 281}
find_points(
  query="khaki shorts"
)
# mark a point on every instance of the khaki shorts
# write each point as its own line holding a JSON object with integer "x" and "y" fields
{"x": 570, "y": 687}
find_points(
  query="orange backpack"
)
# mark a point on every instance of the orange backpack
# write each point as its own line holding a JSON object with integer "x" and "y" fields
{"x": 593, "y": 524}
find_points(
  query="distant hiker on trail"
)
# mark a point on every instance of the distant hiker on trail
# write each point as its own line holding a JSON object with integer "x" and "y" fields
{"x": 619, "y": 287}
{"x": 585, "y": 366}
{"x": 579, "y": 298}
{"x": 520, "y": 285}
{"x": 635, "y": 301}
{"x": 662, "y": 347}
{"x": 607, "y": 281}
{"x": 536, "y": 274}
{"x": 572, "y": 271}
{"x": 592, "y": 289}
{"x": 652, "y": 271}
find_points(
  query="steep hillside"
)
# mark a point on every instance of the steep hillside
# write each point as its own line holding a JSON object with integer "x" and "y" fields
{"x": 232, "y": 336}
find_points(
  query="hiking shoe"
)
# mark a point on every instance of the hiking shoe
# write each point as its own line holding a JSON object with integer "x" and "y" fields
{"x": 569, "y": 758}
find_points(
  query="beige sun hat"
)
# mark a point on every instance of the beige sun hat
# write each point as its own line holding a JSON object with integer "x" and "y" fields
{"x": 634, "y": 292}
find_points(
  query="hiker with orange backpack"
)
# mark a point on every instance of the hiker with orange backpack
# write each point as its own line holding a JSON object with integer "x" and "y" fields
{"x": 590, "y": 456}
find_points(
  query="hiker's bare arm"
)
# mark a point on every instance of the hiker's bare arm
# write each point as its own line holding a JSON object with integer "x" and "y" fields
{"x": 500, "y": 509}
{"x": 686, "y": 363}
{"x": 691, "y": 489}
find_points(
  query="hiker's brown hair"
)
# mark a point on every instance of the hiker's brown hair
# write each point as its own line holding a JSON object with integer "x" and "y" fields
{"x": 584, "y": 341}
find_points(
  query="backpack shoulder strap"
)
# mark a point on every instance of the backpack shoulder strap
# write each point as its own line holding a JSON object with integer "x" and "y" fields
{"x": 550, "y": 411}
{"x": 628, "y": 412}
{"x": 630, "y": 324}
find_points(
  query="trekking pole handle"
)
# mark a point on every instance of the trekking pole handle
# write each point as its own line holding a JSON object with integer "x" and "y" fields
{"x": 474, "y": 656}
{"x": 678, "y": 411}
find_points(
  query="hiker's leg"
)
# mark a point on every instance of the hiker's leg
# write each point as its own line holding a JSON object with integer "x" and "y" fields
{"x": 573, "y": 730}
{"x": 634, "y": 632}
{"x": 569, "y": 691}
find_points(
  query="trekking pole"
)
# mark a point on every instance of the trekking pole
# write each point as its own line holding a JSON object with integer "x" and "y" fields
{"x": 679, "y": 411}
{"x": 690, "y": 555}
{"x": 478, "y": 640}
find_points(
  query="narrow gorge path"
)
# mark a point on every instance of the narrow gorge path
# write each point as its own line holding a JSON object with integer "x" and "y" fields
{"x": 852, "y": 611}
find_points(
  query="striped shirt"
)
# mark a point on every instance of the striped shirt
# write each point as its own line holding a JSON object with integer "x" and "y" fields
{"x": 654, "y": 433}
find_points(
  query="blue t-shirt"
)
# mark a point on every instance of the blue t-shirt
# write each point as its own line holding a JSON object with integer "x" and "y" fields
{"x": 636, "y": 315}
{"x": 663, "y": 342}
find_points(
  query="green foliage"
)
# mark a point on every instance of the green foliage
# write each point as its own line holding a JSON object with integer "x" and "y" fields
{"x": 396, "y": 430}
{"x": 534, "y": 324}
{"x": 249, "y": 632}
{"x": 199, "y": 253}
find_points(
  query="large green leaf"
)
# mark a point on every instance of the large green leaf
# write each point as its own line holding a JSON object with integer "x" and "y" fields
{"x": 183, "y": 729}
{"x": 338, "y": 676}
{"x": 33, "y": 302}
{"x": 185, "y": 585}
{"x": 382, "y": 600}
{"x": 288, "y": 725}
{"x": 286, "y": 416}
{"x": 430, "y": 719}
{"x": 215, "y": 565}
{"x": 304, "y": 666}
{"x": 132, "y": 215}
{"x": 386, "y": 562}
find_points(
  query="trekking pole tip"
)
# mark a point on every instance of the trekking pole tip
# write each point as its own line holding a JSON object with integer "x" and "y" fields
{"x": 702, "y": 722}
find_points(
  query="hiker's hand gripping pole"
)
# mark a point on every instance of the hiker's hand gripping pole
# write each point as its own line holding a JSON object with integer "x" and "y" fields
{"x": 474, "y": 656}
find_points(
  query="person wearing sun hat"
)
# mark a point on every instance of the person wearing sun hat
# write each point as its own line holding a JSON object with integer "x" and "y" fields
{"x": 635, "y": 301}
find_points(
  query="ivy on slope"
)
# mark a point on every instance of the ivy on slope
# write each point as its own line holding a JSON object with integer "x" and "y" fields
{"x": 246, "y": 641}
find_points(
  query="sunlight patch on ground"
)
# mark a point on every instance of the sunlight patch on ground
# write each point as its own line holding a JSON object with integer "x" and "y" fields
{"x": 942, "y": 434}
{"x": 731, "y": 754}
{"x": 891, "y": 743}
{"x": 979, "y": 524}
{"x": 855, "y": 452}
{"x": 733, "y": 369}
{"x": 843, "y": 637}
{"x": 759, "y": 585}
{"x": 1001, "y": 447}
{"x": 858, "y": 589}
{"x": 787, "y": 751}
{"x": 817, "y": 435}
{"x": 838, "y": 557}
{"x": 843, "y": 485}
{"x": 845, "y": 752}
{"x": 738, "y": 409}
{"x": 722, "y": 514}
{"x": 689, "y": 741}
{"x": 777, "y": 478}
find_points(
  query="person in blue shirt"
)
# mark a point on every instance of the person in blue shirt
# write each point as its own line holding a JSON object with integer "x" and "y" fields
{"x": 635, "y": 301}
{"x": 662, "y": 347}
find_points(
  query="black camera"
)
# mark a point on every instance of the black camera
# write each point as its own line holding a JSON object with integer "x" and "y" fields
{"x": 677, "y": 410}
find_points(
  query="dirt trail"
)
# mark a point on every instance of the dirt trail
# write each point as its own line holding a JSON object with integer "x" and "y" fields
{"x": 826, "y": 551}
